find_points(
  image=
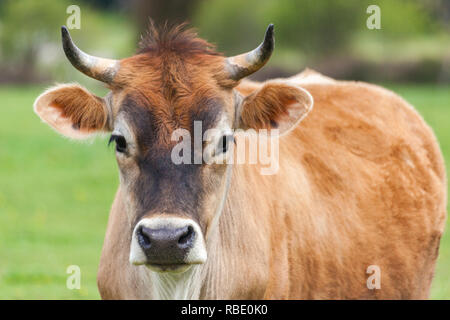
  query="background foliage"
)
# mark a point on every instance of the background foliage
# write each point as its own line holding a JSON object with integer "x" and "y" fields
{"x": 328, "y": 35}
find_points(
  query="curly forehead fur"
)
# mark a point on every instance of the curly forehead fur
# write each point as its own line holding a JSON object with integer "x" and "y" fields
{"x": 178, "y": 38}
{"x": 172, "y": 63}
{"x": 176, "y": 76}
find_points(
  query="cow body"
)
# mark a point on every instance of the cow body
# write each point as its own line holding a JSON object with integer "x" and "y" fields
{"x": 361, "y": 183}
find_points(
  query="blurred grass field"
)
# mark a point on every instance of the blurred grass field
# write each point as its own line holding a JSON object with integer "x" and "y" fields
{"x": 55, "y": 196}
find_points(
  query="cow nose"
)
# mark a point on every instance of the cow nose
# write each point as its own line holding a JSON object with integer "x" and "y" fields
{"x": 166, "y": 245}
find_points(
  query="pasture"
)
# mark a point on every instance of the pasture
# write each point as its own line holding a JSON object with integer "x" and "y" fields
{"x": 55, "y": 196}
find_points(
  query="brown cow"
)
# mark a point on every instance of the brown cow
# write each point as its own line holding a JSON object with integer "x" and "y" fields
{"x": 356, "y": 209}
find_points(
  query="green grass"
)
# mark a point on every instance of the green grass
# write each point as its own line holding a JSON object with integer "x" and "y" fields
{"x": 55, "y": 196}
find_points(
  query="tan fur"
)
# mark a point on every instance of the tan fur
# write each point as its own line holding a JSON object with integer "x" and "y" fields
{"x": 84, "y": 109}
{"x": 72, "y": 111}
{"x": 269, "y": 105}
{"x": 361, "y": 182}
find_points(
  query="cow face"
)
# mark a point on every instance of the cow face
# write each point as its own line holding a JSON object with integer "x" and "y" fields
{"x": 176, "y": 88}
{"x": 171, "y": 205}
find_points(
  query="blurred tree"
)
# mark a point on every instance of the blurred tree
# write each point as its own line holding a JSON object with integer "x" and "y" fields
{"x": 320, "y": 33}
{"x": 30, "y": 40}
{"x": 314, "y": 27}
{"x": 173, "y": 11}
{"x": 311, "y": 26}
{"x": 24, "y": 26}
{"x": 104, "y": 4}
{"x": 308, "y": 32}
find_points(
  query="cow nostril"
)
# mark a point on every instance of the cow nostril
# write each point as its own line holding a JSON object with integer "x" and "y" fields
{"x": 143, "y": 239}
{"x": 186, "y": 237}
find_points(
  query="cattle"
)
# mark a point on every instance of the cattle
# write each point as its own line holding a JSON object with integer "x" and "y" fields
{"x": 355, "y": 209}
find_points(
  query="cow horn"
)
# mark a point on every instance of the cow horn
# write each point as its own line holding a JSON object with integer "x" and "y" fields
{"x": 94, "y": 67}
{"x": 247, "y": 63}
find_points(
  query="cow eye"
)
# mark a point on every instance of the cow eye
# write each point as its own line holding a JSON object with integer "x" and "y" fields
{"x": 121, "y": 143}
{"x": 224, "y": 143}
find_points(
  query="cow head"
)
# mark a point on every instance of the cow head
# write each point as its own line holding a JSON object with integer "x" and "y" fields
{"x": 175, "y": 80}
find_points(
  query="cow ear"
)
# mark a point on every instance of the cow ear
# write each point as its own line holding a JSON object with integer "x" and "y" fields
{"x": 276, "y": 105}
{"x": 72, "y": 111}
